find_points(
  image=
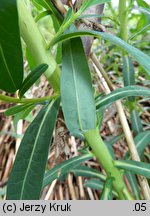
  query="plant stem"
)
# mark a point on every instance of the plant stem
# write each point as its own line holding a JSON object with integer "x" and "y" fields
{"x": 128, "y": 135}
{"x": 37, "y": 45}
{"x": 25, "y": 100}
{"x": 123, "y": 17}
{"x": 103, "y": 156}
{"x": 133, "y": 151}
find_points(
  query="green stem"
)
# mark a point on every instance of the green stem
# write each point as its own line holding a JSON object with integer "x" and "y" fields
{"x": 123, "y": 17}
{"x": 103, "y": 156}
{"x": 26, "y": 100}
{"x": 37, "y": 45}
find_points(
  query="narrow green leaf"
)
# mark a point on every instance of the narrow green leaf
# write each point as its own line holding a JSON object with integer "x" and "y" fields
{"x": 100, "y": 117}
{"x": 32, "y": 78}
{"x": 87, "y": 3}
{"x": 38, "y": 6}
{"x": 142, "y": 3}
{"x": 145, "y": 10}
{"x": 111, "y": 151}
{"x": 56, "y": 26}
{"x": 11, "y": 60}
{"x": 97, "y": 185}
{"x": 17, "y": 109}
{"x": 136, "y": 122}
{"x": 133, "y": 184}
{"x": 53, "y": 9}
{"x": 114, "y": 139}
{"x": 40, "y": 2}
{"x": 76, "y": 88}
{"x": 106, "y": 193}
{"x": 42, "y": 14}
{"x": 122, "y": 93}
{"x": 87, "y": 172}
{"x": 23, "y": 115}
{"x": 136, "y": 167}
{"x": 47, "y": 4}
{"x": 140, "y": 32}
{"x": 141, "y": 57}
{"x": 12, "y": 134}
{"x": 142, "y": 140}
{"x": 68, "y": 16}
{"x": 128, "y": 72}
{"x": 25, "y": 180}
{"x": 129, "y": 79}
{"x": 64, "y": 168}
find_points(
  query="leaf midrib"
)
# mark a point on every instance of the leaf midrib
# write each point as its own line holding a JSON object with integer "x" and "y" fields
{"x": 7, "y": 68}
{"x": 25, "y": 84}
{"x": 128, "y": 71}
{"x": 134, "y": 187}
{"x": 65, "y": 165}
{"x": 141, "y": 140}
{"x": 32, "y": 154}
{"x": 119, "y": 93}
{"x": 75, "y": 84}
{"x": 143, "y": 169}
{"x": 136, "y": 121}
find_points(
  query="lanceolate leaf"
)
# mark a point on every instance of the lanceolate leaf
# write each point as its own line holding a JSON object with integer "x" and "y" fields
{"x": 133, "y": 184}
{"x": 32, "y": 78}
{"x": 136, "y": 167}
{"x": 97, "y": 185}
{"x": 136, "y": 122}
{"x": 114, "y": 139}
{"x": 49, "y": 6}
{"x": 140, "y": 32}
{"x": 42, "y": 15}
{"x": 107, "y": 189}
{"x": 142, "y": 4}
{"x": 11, "y": 60}
{"x": 128, "y": 72}
{"x": 94, "y": 184}
{"x": 145, "y": 10}
{"x": 111, "y": 151}
{"x": 87, "y": 3}
{"x": 142, "y": 140}
{"x": 122, "y": 93}
{"x": 24, "y": 114}
{"x": 87, "y": 172}
{"x": 129, "y": 79}
{"x": 64, "y": 168}
{"x": 25, "y": 181}
{"x": 141, "y": 57}
{"x": 40, "y": 2}
{"x": 17, "y": 109}
{"x": 76, "y": 88}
